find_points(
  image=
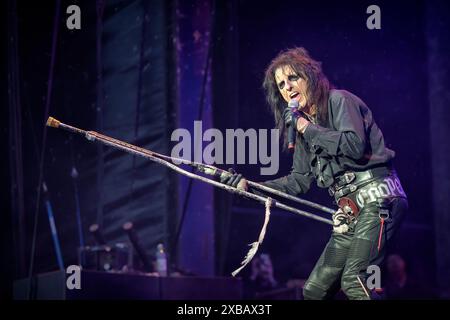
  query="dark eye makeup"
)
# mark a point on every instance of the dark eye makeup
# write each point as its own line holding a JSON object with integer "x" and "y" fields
{"x": 292, "y": 77}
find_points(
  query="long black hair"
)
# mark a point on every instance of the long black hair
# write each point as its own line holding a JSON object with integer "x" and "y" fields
{"x": 318, "y": 86}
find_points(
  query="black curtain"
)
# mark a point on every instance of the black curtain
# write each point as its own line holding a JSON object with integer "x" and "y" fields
{"x": 225, "y": 90}
{"x": 437, "y": 31}
{"x": 137, "y": 104}
{"x": 114, "y": 75}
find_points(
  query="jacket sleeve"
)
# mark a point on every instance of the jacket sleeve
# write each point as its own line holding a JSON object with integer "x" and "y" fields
{"x": 293, "y": 184}
{"x": 300, "y": 178}
{"x": 348, "y": 139}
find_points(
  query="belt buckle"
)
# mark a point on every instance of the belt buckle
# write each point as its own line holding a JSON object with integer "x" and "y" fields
{"x": 344, "y": 191}
{"x": 349, "y": 177}
{"x": 348, "y": 206}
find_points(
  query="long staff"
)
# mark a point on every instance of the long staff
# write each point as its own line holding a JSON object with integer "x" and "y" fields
{"x": 207, "y": 169}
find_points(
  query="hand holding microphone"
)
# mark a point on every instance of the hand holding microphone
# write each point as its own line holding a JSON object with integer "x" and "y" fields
{"x": 291, "y": 116}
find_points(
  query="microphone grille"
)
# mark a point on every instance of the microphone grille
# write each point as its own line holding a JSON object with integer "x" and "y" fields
{"x": 293, "y": 103}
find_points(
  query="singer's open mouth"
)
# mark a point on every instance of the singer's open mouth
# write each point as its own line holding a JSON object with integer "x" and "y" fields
{"x": 294, "y": 95}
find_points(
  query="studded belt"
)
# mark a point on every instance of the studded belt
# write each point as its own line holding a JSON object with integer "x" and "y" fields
{"x": 353, "y": 190}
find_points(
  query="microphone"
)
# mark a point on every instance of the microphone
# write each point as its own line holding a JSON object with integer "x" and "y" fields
{"x": 293, "y": 105}
{"x": 132, "y": 235}
{"x": 94, "y": 229}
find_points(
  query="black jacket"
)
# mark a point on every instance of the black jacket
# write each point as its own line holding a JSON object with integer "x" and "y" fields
{"x": 351, "y": 140}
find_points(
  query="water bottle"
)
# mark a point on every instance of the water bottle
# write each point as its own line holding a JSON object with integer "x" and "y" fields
{"x": 161, "y": 260}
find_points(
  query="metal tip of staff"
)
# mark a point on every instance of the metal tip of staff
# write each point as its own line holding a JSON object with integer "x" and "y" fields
{"x": 52, "y": 122}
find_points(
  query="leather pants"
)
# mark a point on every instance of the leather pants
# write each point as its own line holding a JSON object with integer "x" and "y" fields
{"x": 344, "y": 261}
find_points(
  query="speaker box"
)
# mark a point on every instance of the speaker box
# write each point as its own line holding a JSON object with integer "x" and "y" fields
{"x": 126, "y": 286}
